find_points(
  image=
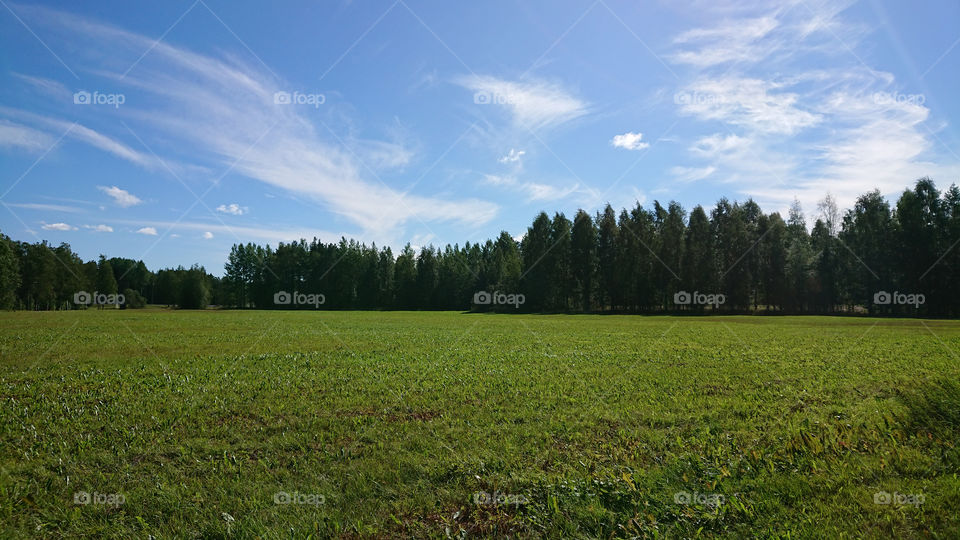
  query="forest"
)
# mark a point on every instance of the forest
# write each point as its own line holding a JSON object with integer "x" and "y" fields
{"x": 875, "y": 258}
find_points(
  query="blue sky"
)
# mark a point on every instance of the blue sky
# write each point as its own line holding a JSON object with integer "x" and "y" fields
{"x": 168, "y": 131}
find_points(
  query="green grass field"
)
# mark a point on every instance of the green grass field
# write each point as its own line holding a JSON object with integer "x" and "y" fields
{"x": 189, "y": 424}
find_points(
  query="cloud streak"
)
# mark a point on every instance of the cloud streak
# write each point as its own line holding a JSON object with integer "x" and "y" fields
{"x": 532, "y": 104}
{"x": 225, "y": 112}
{"x": 121, "y": 197}
{"x": 781, "y": 128}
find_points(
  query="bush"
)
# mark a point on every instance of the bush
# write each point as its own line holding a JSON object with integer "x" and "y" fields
{"x": 133, "y": 299}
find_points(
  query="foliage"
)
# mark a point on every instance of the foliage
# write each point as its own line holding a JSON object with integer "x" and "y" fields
{"x": 637, "y": 262}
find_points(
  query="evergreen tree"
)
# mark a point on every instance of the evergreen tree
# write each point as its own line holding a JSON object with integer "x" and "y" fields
{"x": 606, "y": 242}
{"x": 533, "y": 249}
{"x": 557, "y": 260}
{"x": 583, "y": 252}
{"x": 9, "y": 273}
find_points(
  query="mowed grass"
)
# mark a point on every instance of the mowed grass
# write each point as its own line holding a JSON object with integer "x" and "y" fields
{"x": 592, "y": 425}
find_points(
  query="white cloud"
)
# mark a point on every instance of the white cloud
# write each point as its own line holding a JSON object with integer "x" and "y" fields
{"x": 382, "y": 155}
{"x": 513, "y": 156}
{"x": 801, "y": 110}
{"x": 112, "y": 146}
{"x": 545, "y": 192}
{"x": 58, "y": 227}
{"x": 47, "y": 207}
{"x": 99, "y": 228}
{"x": 121, "y": 197}
{"x": 272, "y": 233}
{"x": 233, "y": 209}
{"x": 731, "y": 41}
{"x": 77, "y": 131}
{"x": 717, "y": 145}
{"x": 46, "y": 86}
{"x": 629, "y": 141}
{"x": 534, "y": 191}
{"x": 498, "y": 180}
{"x": 875, "y": 145}
{"x": 750, "y": 103}
{"x": 533, "y": 104}
{"x": 149, "y": 231}
{"x": 207, "y": 235}
{"x": 224, "y": 109}
{"x": 16, "y": 135}
{"x": 691, "y": 174}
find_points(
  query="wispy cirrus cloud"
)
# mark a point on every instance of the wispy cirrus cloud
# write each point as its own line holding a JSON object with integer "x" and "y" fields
{"x": 22, "y": 137}
{"x": 793, "y": 112}
{"x": 730, "y": 41}
{"x": 48, "y": 87}
{"x": 533, "y": 104}
{"x": 49, "y": 126}
{"x": 269, "y": 233}
{"x": 754, "y": 104}
{"x": 223, "y": 110}
{"x": 534, "y": 191}
{"x": 691, "y": 174}
{"x": 46, "y": 207}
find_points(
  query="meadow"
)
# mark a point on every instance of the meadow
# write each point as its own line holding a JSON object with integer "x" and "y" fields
{"x": 296, "y": 424}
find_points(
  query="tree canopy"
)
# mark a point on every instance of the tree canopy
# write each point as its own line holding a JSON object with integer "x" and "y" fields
{"x": 875, "y": 258}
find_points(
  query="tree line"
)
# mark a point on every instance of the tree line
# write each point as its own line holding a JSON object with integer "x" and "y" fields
{"x": 42, "y": 277}
{"x": 875, "y": 258}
